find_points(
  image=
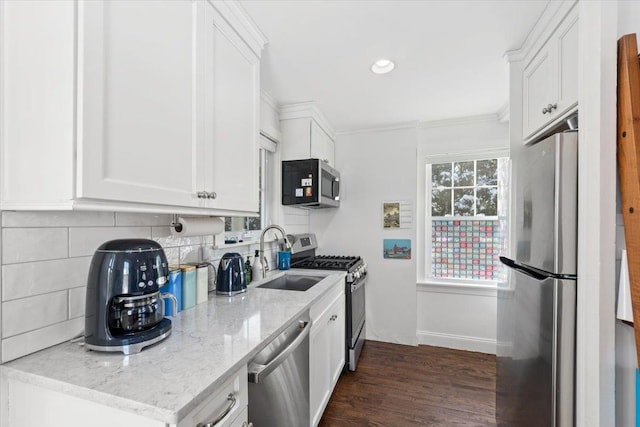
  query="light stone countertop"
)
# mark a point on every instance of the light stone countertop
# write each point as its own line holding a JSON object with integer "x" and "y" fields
{"x": 208, "y": 343}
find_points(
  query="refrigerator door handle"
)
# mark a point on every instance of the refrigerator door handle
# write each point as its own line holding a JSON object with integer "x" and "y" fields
{"x": 536, "y": 273}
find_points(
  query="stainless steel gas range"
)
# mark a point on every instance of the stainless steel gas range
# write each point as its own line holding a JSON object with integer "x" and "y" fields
{"x": 303, "y": 255}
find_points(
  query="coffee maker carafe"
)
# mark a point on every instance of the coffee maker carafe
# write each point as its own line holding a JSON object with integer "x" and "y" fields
{"x": 124, "y": 307}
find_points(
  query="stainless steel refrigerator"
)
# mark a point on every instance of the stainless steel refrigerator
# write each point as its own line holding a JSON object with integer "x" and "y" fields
{"x": 537, "y": 304}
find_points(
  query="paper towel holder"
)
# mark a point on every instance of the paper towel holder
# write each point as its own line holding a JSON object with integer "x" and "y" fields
{"x": 175, "y": 223}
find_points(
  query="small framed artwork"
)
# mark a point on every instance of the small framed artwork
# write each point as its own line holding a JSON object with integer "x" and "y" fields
{"x": 391, "y": 214}
{"x": 396, "y": 248}
{"x": 396, "y": 214}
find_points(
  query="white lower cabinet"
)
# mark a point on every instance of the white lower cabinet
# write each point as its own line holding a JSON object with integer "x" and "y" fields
{"x": 226, "y": 407}
{"x": 326, "y": 349}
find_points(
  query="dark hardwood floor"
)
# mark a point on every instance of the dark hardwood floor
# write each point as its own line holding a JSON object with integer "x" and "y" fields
{"x": 397, "y": 385}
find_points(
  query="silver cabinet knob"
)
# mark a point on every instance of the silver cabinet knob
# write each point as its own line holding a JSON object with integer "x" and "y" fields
{"x": 202, "y": 194}
{"x": 212, "y": 195}
{"x": 549, "y": 108}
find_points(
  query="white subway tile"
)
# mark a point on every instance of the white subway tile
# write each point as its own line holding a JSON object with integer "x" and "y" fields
{"x": 85, "y": 240}
{"x": 77, "y": 298}
{"x": 57, "y": 219}
{"x": 135, "y": 219}
{"x": 189, "y": 254}
{"x": 33, "y": 244}
{"x": 294, "y": 220}
{"x": 288, "y": 210}
{"x": 161, "y": 234}
{"x": 173, "y": 255}
{"x": 30, "y": 342}
{"x": 296, "y": 229}
{"x": 28, "y": 314}
{"x": 35, "y": 278}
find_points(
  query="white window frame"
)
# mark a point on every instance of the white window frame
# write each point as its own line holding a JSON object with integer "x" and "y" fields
{"x": 267, "y": 161}
{"x": 424, "y": 273}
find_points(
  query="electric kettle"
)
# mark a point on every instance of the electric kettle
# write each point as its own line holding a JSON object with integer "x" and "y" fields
{"x": 230, "y": 279}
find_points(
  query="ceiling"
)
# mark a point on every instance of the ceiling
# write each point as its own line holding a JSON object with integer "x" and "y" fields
{"x": 448, "y": 54}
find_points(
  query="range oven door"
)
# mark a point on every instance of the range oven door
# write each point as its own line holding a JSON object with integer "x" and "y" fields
{"x": 357, "y": 310}
{"x": 355, "y": 322}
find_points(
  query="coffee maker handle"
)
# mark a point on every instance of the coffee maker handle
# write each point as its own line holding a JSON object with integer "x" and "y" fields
{"x": 173, "y": 299}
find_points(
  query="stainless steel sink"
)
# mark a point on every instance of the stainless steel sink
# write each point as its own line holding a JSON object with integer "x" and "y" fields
{"x": 292, "y": 282}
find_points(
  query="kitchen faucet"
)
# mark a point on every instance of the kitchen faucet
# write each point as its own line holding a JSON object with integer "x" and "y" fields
{"x": 263, "y": 260}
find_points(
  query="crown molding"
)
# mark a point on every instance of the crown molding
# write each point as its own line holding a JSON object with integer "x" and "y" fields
{"x": 552, "y": 15}
{"x": 459, "y": 121}
{"x": 242, "y": 22}
{"x": 504, "y": 113}
{"x": 397, "y": 126}
{"x": 500, "y": 116}
{"x": 269, "y": 100}
{"x": 307, "y": 109}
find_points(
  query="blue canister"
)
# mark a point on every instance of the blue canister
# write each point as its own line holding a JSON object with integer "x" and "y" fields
{"x": 284, "y": 260}
{"x": 188, "y": 286}
{"x": 174, "y": 287}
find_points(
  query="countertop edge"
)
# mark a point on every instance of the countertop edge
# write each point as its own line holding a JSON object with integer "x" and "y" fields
{"x": 158, "y": 413}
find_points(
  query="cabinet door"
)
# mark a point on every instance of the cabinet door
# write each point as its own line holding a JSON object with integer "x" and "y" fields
{"x": 138, "y": 101}
{"x": 232, "y": 117}
{"x": 321, "y": 144}
{"x": 538, "y": 90}
{"x": 319, "y": 367}
{"x": 337, "y": 345}
{"x": 567, "y": 57}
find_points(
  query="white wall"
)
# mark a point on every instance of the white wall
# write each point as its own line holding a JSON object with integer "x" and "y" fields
{"x": 456, "y": 316}
{"x": 375, "y": 167}
{"x": 380, "y": 166}
{"x": 626, "y": 359}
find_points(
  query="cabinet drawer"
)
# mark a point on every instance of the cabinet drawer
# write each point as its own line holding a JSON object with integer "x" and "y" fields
{"x": 230, "y": 398}
{"x": 320, "y": 307}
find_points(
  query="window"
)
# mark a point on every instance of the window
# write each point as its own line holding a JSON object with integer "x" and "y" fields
{"x": 466, "y": 215}
{"x": 249, "y": 228}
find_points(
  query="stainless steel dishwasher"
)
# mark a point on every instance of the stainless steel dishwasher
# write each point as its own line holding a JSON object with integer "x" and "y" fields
{"x": 279, "y": 379}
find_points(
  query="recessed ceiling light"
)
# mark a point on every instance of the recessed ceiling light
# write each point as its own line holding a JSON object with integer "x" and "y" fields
{"x": 383, "y": 66}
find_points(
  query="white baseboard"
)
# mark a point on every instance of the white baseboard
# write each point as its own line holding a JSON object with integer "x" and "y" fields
{"x": 458, "y": 342}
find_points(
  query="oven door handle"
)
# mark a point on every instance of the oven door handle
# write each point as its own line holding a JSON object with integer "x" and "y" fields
{"x": 358, "y": 285}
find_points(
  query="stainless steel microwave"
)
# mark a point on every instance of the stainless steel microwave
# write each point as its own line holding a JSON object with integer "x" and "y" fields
{"x": 310, "y": 183}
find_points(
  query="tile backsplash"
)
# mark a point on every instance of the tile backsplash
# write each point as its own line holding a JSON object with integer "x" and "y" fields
{"x": 45, "y": 262}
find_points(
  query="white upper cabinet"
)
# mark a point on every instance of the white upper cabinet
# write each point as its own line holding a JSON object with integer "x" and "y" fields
{"x": 322, "y": 146}
{"x": 166, "y": 107}
{"x": 232, "y": 118}
{"x": 306, "y": 133}
{"x": 139, "y": 106}
{"x": 550, "y": 79}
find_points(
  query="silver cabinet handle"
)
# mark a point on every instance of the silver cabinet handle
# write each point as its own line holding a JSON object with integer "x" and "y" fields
{"x": 202, "y": 194}
{"x": 549, "y": 108}
{"x": 232, "y": 402}
{"x": 256, "y": 371}
{"x": 212, "y": 195}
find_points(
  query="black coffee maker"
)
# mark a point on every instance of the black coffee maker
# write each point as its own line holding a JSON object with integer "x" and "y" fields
{"x": 124, "y": 307}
